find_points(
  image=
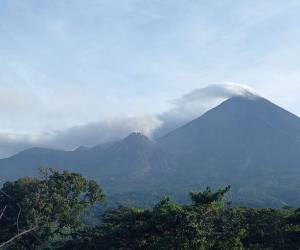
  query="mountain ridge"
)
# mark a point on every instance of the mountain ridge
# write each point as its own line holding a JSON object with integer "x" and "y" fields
{"x": 244, "y": 142}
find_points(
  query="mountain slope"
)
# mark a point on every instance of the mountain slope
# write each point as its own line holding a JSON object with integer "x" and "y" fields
{"x": 240, "y": 129}
{"x": 245, "y": 141}
{"x": 120, "y": 165}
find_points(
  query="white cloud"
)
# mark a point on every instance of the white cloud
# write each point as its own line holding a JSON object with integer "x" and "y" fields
{"x": 12, "y": 143}
{"x": 197, "y": 102}
{"x": 99, "y": 132}
{"x": 184, "y": 109}
{"x": 90, "y": 134}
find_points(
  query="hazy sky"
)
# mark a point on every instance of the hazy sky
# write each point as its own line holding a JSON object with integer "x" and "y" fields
{"x": 78, "y": 72}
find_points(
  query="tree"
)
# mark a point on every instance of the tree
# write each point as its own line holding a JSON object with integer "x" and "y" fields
{"x": 168, "y": 225}
{"x": 208, "y": 198}
{"x": 51, "y": 205}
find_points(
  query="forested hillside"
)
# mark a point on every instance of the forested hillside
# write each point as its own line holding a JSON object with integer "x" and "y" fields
{"x": 46, "y": 213}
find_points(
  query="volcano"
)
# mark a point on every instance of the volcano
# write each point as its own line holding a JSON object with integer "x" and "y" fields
{"x": 246, "y": 141}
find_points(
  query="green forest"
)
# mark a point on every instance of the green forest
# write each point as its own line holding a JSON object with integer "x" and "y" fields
{"x": 47, "y": 212}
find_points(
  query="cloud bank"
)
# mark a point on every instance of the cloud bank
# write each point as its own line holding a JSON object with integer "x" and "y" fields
{"x": 197, "y": 102}
{"x": 90, "y": 134}
{"x": 184, "y": 109}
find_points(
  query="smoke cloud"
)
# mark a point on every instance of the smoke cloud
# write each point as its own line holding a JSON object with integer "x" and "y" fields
{"x": 197, "y": 102}
{"x": 184, "y": 109}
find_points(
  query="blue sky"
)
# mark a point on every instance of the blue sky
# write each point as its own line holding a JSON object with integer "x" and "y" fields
{"x": 94, "y": 64}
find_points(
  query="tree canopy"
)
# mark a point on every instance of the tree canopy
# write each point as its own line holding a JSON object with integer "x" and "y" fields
{"x": 46, "y": 213}
{"x": 50, "y": 205}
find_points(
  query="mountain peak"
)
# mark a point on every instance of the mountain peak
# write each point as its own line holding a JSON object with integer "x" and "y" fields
{"x": 136, "y": 141}
{"x": 238, "y": 119}
{"x": 136, "y": 136}
{"x": 247, "y": 95}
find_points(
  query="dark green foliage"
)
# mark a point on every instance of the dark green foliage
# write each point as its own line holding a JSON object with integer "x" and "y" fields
{"x": 265, "y": 228}
{"x": 208, "y": 198}
{"x": 205, "y": 224}
{"x": 52, "y": 205}
{"x": 166, "y": 226}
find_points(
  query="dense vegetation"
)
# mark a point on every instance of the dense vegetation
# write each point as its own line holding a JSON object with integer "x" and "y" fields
{"x": 46, "y": 213}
